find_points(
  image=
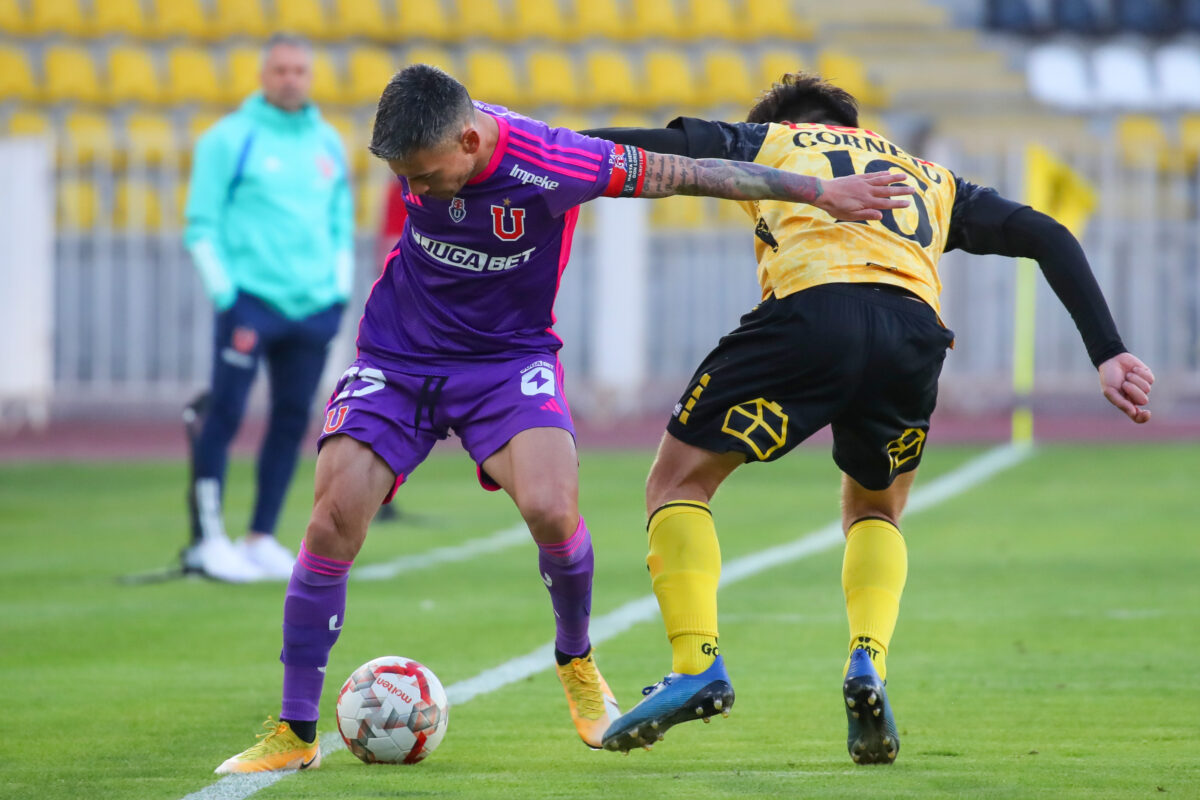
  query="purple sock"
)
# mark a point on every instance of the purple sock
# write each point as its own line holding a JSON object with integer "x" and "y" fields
{"x": 313, "y": 612}
{"x": 567, "y": 572}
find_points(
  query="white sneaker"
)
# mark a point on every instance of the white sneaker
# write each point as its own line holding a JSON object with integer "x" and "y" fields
{"x": 266, "y": 554}
{"x": 216, "y": 558}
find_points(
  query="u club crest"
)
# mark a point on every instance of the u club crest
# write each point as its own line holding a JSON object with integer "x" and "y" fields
{"x": 458, "y": 209}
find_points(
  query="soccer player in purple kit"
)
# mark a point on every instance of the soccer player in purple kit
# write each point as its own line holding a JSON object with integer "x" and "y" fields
{"x": 457, "y": 336}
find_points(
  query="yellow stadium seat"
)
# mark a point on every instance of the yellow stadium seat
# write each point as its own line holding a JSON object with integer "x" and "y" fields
{"x": 1189, "y": 137}
{"x": 849, "y": 73}
{"x": 600, "y": 19}
{"x": 149, "y": 138}
{"x": 186, "y": 19}
{"x": 772, "y": 19}
{"x": 78, "y": 204}
{"x": 192, "y": 76}
{"x": 683, "y": 211}
{"x": 327, "y": 81}
{"x": 486, "y": 19}
{"x": 12, "y": 18}
{"x": 56, "y": 16}
{"x": 668, "y": 79}
{"x": 118, "y": 18}
{"x": 539, "y": 19}
{"x": 16, "y": 76}
{"x": 132, "y": 76}
{"x": 138, "y": 206}
{"x": 732, "y": 215}
{"x": 87, "y": 138}
{"x": 726, "y": 79}
{"x": 354, "y": 138}
{"x": 575, "y": 120}
{"x": 240, "y": 18}
{"x": 492, "y": 77}
{"x": 435, "y": 56}
{"x": 28, "y": 122}
{"x": 630, "y": 119}
{"x": 361, "y": 18}
{"x": 69, "y": 74}
{"x": 711, "y": 19}
{"x": 368, "y": 204}
{"x": 303, "y": 17}
{"x": 199, "y": 122}
{"x": 774, "y": 64}
{"x": 1142, "y": 141}
{"x": 609, "y": 79}
{"x": 424, "y": 19}
{"x": 552, "y": 77}
{"x": 655, "y": 19}
{"x": 242, "y": 67}
{"x": 368, "y": 70}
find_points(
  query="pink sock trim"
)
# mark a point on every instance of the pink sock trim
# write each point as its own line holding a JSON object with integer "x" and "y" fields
{"x": 565, "y": 551}
{"x": 321, "y": 564}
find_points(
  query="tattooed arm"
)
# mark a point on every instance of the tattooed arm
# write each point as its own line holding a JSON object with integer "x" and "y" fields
{"x": 855, "y": 197}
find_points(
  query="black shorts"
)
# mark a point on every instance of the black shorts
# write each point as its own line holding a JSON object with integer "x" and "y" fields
{"x": 861, "y": 359}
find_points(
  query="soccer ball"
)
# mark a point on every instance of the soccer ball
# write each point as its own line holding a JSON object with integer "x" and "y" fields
{"x": 392, "y": 710}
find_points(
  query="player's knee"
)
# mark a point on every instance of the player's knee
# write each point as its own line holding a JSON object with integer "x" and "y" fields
{"x": 333, "y": 531}
{"x": 550, "y": 516}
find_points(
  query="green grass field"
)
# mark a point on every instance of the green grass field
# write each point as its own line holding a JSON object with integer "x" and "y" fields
{"x": 1048, "y": 644}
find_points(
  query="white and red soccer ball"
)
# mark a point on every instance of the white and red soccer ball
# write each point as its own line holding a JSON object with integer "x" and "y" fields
{"x": 392, "y": 710}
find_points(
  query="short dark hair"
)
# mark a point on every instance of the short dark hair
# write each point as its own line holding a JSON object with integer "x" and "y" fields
{"x": 802, "y": 97}
{"x": 420, "y": 108}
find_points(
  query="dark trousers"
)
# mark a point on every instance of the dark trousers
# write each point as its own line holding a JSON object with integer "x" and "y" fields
{"x": 295, "y": 352}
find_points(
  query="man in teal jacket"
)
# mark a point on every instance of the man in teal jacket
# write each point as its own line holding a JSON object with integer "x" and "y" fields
{"x": 270, "y": 228}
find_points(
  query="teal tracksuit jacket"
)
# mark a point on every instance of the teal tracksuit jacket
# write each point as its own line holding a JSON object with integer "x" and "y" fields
{"x": 269, "y": 210}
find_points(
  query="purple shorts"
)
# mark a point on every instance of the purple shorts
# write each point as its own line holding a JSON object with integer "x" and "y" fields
{"x": 400, "y": 415}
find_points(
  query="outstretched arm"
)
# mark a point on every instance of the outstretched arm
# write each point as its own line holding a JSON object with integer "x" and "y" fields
{"x": 855, "y": 197}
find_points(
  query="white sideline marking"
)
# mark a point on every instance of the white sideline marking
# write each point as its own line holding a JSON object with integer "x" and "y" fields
{"x": 500, "y": 540}
{"x": 616, "y": 622}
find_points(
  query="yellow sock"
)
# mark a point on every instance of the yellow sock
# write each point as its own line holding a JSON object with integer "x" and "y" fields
{"x": 685, "y": 567}
{"x": 873, "y": 574}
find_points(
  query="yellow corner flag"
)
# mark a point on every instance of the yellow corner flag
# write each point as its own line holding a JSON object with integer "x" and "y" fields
{"x": 1055, "y": 189}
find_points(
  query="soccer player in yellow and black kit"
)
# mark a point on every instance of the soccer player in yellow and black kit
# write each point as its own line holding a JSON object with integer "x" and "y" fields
{"x": 847, "y": 335}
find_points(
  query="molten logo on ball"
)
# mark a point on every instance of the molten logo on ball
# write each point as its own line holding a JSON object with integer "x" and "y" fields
{"x": 392, "y": 710}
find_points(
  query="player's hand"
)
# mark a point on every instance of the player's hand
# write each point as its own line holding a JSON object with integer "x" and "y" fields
{"x": 859, "y": 197}
{"x": 1126, "y": 382}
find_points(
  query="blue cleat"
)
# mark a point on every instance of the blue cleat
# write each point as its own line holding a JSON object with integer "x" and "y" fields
{"x": 871, "y": 736}
{"x": 676, "y": 698}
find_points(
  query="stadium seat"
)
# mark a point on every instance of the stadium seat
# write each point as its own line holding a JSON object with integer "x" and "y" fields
{"x": 362, "y": 18}
{"x": 1189, "y": 15}
{"x": 368, "y": 204}
{"x": 303, "y": 17}
{"x": 327, "y": 79}
{"x": 199, "y": 122}
{"x": 850, "y": 74}
{"x": 539, "y": 19}
{"x": 192, "y": 76}
{"x": 1084, "y": 17}
{"x": 1189, "y": 137}
{"x": 185, "y": 19}
{"x": 78, "y": 204}
{"x": 711, "y": 19}
{"x": 625, "y": 118}
{"x": 368, "y": 70}
{"x": 484, "y": 19}
{"x": 16, "y": 76}
{"x": 1147, "y": 17}
{"x": 730, "y": 214}
{"x": 433, "y": 55}
{"x": 29, "y": 122}
{"x": 234, "y": 18}
{"x": 87, "y": 137}
{"x": 680, "y": 212}
{"x": 1142, "y": 141}
{"x": 575, "y": 120}
{"x": 355, "y": 139}
{"x": 774, "y": 64}
{"x": 552, "y": 77}
{"x": 609, "y": 79}
{"x": 655, "y": 19}
{"x": 773, "y": 19}
{"x": 149, "y": 138}
{"x": 118, "y": 18}
{"x": 1123, "y": 76}
{"x": 1177, "y": 69}
{"x": 69, "y": 74}
{"x": 132, "y": 76}
{"x": 56, "y": 17}
{"x": 667, "y": 79}
{"x": 12, "y": 18}
{"x": 1058, "y": 76}
{"x": 599, "y": 19}
{"x": 138, "y": 206}
{"x": 1010, "y": 16}
{"x": 242, "y": 67}
{"x": 423, "y": 19}
{"x": 492, "y": 77}
{"x": 726, "y": 79}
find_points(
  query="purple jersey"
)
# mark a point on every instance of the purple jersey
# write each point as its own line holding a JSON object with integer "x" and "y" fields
{"x": 475, "y": 277}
